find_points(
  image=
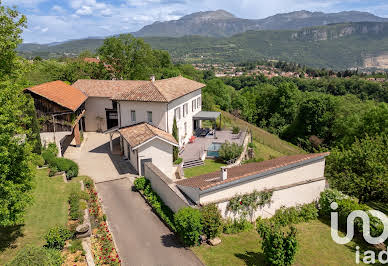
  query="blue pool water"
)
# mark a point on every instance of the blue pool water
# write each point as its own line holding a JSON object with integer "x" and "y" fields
{"x": 212, "y": 150}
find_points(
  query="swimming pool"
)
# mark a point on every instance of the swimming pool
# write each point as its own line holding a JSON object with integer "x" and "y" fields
{"x": 212, "y": 150}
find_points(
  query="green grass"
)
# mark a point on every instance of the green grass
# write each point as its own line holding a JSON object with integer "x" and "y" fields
{"x": 267, "y": 144}
{"x": 48, "y": 209}
{"x": 316, "y": 248}
{"x": 208, "y": 167}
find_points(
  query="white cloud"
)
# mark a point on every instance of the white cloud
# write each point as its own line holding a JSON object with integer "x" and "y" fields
{"x": 84, "y": 10}
{"x": 58, "y": 9}
{"x": 44, "y": 30}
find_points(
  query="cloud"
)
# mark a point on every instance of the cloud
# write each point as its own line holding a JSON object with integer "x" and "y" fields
{"x": 82, "y": 18}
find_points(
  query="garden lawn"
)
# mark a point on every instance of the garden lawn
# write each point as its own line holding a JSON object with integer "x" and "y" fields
{"x": 315, "y": 248}
{"x": 48, "y": 209}
{"x": 209, "y": 166}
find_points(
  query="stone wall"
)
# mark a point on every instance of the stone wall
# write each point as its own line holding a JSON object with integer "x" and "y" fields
{"x": 165, "y": 188}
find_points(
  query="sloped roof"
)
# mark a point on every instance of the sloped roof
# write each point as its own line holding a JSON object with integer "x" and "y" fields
{"x": 106, "y": 88}
{"x": 61, "y": 93}
{"x": 165, "y": 90}
{"x": 138, "y": 134}
{"x": 206, "y": 181}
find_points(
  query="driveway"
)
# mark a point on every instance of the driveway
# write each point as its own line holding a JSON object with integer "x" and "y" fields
{"x": 95, "y": 160}
{"x": 141, "y": 238}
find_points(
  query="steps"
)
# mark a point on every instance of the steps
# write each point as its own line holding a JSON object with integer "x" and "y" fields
{"x": 192, "y": 163}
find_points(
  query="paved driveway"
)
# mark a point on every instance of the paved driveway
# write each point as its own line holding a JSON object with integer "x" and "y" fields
{"x": 95, "y": 160}
{"x": 141, "y": 238}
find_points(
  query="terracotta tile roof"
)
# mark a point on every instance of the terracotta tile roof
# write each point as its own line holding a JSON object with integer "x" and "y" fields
{"x": 207, "y": 181}
{"x": 140, "y": 133}
{"x": 146, "y": 92}
{"x": 106, "y": 88}
{"x": 165, "y": 90}
{"x": 61, "y": 93}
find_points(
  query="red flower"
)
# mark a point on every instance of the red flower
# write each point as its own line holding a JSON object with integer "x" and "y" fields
{"x": 240, "y": 202}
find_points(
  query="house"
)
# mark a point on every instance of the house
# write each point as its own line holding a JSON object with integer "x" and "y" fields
{"x": 121, "y": 103}
{"x": 143, "y": 113}
{"x": 295, "y": 179}
{"x": 61, "y": 108}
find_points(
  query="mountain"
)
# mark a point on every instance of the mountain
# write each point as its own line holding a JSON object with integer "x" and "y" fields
{"x": 221, "y": 23}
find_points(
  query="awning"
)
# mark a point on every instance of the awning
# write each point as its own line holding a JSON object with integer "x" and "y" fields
{"x": 205, "y": 115}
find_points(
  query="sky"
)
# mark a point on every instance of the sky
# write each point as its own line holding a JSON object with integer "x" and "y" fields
{"x": 56, "y": 21}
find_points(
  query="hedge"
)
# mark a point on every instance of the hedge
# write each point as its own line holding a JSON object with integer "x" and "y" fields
{"x": 164, "y": 212}
{"x": 188, "y": 225}
{"x": 59, "y": 164}
{"x": 75, "y": 206}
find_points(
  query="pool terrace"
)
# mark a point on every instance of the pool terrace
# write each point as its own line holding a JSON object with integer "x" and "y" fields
{"x": 196, "y": 150}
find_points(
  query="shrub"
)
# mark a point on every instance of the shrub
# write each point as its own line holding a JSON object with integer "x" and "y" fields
{"x": 188, "y": 225}
{"x": 59, "y": 164}
{"x": 52, "y": 147}
{"x": 293, "y": 215}
{"x": 38, "y": 160}
{"x": 75, "y": 207}
{"x": 279, "y": 247}
{"x": 76, "y": 245}
{"x": 211, "y": 220}
{"x": 178, "y": 161}
{"x": 140, "y": 183}
{"x": 89, "y": 184}
{"x": 236, "y": 226}
{"x": 37, "y": 256}
{"x": 53, "y": 171}
{"x": 164, "y": 212}
{"x": 230, "y": 151}
{"x": 251, "y": 145}
{"x": 48, "y": 157}
{"x": 326, "y": 198}
{"x": 236, "y": 130}
{"x": 57, "y": 236}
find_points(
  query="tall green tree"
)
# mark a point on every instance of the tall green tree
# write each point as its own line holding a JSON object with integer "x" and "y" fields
{"x": 362, "y": 169}
{"x": 11, "y": 27}
{"x": 130, "y": 58}
{"x": 175, "y": 135}
{"x": 16, "y": 175}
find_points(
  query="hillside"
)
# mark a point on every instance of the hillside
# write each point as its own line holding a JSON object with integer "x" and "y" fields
{"x": 336, "y": 46}
{"x": 223, "y": 24}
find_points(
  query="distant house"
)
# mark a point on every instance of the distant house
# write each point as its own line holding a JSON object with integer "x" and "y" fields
{"x": 295, "y": 179}
{"x": 60, "y": 108}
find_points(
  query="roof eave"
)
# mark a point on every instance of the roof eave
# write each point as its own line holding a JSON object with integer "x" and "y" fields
{"x": 259, "y": 175}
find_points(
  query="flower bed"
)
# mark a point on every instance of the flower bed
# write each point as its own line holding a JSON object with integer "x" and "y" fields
{"x": 103, "y": 248}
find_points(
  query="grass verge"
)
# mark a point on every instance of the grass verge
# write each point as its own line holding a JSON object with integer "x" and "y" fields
{"x": 49, "y": 208}
{"x": 209, "y": 166}
{"x": 316, "y": 248}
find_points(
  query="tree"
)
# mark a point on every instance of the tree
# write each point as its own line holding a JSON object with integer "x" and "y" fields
{"x": 11, "y": 27}
{"x": 16, "y": 175}
{"x": 362, "y": 169}
{"x": 188, "y": 225}
{"x": 130, "y": 58}
{"x": 211, "y": 220}
{"x": 175, "y": 135}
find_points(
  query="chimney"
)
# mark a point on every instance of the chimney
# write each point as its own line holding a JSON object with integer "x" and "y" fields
{"x": 224, "y": 173}
{"x": 152, "y": 78}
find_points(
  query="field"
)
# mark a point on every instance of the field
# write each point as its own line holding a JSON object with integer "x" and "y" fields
{"x": 315, "y": 248}
{"x": 49, "y": 208}
{"x": 208, "y": 167}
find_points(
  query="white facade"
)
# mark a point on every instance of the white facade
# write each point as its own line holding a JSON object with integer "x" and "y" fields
{"x": 95, "y": 113}
{"x": 184, "y": 121}
{"x": 159, "y": 151}
{"x": 296, "y": 185}
{"x": 163, "y": 114}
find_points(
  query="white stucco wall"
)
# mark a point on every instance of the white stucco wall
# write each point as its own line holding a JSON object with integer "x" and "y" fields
{"x": 95, "y": 107}
{"x": 289, "y": 197}
{"x": 159, "y": 113}
{"x": 188, "y": 118}
{"x": 287, "y": 177}
{"x": 161, "y": 154}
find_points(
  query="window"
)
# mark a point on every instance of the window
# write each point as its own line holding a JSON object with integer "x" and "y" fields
{"x": 199, "y": 102}
{"x": 177, "y": 113}
{"x": 133, "y": 115}
{"x": 149, "y": 117}
{"x": 185, "y": 109}
{"x": 194, "y": 105}
{"x": 185, "y": 129}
